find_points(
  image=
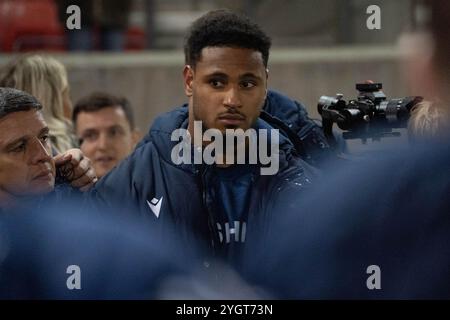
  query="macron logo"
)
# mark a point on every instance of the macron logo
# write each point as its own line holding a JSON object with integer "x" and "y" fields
{"x": 155, "y": 205}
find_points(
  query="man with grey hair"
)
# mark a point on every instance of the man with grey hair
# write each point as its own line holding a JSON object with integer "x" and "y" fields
{"x": 27, "y": 168}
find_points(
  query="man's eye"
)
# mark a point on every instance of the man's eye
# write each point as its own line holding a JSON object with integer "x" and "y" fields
{"x": 216, "y": 83}
{"x": 45, "y": 137}
{"x": 91, "y": 136}
{"x": 19, "y": 148}
{"x": 248, "y": 84}
{"x": 114, "y": 132}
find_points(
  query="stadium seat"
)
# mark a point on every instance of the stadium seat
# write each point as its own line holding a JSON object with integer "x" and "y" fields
{"x": 30, "y": 25}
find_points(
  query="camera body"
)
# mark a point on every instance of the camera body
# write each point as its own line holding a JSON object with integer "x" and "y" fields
{"x": 371, "y": 115}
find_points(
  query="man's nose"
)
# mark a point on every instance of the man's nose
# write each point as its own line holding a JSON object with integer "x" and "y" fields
{"x": 40, "y": 151}
{"x": 103, "y": 141}
{"x": 232, "y": 98}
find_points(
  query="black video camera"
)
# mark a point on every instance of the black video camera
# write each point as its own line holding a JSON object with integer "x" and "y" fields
{"x": 371, "y": 115}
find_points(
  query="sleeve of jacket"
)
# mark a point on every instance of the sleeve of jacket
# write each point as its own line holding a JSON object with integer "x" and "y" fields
{"x": 126, "y": 186}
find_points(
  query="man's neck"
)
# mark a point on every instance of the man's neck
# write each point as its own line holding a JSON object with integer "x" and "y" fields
{"x": 7, "y": 201}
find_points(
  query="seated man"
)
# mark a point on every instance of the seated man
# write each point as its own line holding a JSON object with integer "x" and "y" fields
{"x": 217, "y": 202}
{"x": 27, "y": 168}
{"x": 105, "y": 127}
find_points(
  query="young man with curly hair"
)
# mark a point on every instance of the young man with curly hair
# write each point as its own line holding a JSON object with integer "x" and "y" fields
{"x": 225, "y": 80}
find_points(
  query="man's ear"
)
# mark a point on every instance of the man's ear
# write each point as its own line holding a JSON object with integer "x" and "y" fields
{"x": 188, "y": 78}
{"x": 267, "y": 79}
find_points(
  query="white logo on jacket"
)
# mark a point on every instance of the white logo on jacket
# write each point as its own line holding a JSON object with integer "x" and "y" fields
{"x": 238, "y": 231}
{"x": 155, "y": 206}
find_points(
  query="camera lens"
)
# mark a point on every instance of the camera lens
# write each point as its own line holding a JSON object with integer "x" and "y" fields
{"x": 350, "y": 119}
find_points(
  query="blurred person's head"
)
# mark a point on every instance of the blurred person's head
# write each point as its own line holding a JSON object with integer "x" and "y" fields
{"x": 429, "y": 121}
{"x": 225, "y": 76}
{"x": 105, "y": 127}
{"x": 428, "y": 74}
{"x": 26, "y": 165}
{"x": 440, "y": 65}
{"x": 46, "y": 79}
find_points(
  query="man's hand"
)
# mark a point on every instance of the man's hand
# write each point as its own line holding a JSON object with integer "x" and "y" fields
{"x": 77, "y": 169}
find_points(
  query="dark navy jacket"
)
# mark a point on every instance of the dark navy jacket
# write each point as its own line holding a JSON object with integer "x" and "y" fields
{"x": 149, "y": 182}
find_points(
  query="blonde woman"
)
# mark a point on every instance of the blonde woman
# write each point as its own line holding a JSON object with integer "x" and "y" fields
{"x": 45, "y": 78}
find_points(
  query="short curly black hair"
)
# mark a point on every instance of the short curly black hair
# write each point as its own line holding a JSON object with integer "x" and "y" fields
{"x": 223, "y": 28}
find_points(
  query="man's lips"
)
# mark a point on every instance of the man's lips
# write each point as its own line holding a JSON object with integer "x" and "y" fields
{"x": 104, "y": 159}
{"x": 231, "y": 118}
{"x": 45, "y": 174}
